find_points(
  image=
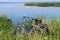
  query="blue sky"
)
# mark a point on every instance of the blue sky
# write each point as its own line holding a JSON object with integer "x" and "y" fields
{"x": 29, "y": 0}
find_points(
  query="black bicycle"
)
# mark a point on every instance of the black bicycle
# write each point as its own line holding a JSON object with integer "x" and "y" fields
{"x": 36, "y": 28}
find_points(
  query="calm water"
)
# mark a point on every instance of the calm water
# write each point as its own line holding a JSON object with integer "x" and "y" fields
{"x": 18, "y": 10}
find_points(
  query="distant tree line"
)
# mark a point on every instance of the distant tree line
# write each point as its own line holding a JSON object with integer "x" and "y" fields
{"x": 43, "y": 4}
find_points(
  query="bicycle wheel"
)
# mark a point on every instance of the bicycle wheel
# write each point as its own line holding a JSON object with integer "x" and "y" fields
{"x": 36, "y": 30}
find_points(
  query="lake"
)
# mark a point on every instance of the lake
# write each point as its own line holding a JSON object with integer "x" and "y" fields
{"x": 16, "y": 11}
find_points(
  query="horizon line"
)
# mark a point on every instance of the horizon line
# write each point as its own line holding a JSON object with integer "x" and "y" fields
{"x": 16, "y": 2}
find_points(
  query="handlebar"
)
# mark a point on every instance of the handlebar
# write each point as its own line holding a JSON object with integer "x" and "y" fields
{"x": 36, "y": 20}
{"x": 28, "y": 18}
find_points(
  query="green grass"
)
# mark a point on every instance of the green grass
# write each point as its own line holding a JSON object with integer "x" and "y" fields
{"x": 6, "y": 31}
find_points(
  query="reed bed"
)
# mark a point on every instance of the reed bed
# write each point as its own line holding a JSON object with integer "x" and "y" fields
{"x": 7, "y": 31}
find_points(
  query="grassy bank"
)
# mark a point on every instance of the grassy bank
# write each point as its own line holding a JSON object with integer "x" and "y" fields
{"x": 6, "y": 31}
{"x": 43, "y": 4}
